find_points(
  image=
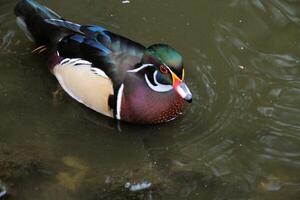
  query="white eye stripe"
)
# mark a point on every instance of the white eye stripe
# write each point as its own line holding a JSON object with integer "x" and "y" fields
{"x": 167, "y": 67}
{"x": 158, "y": 87}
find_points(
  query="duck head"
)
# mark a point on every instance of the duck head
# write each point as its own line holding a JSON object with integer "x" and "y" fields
{"x": 163, "y": 70}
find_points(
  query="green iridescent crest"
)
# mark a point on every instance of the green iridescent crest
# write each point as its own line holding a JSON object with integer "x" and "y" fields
{"x": 165, "y": 54}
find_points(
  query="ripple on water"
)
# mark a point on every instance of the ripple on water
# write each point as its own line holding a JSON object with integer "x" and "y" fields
{"x": 249, "y": 121}
{"x": 10, "y": 41}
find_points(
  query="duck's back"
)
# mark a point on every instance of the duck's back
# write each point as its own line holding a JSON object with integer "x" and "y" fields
{"x": 89, "y": 61}
{"x": 107, "y": 51}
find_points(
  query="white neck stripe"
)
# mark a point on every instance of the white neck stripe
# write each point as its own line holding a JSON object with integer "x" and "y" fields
{"x": 139, "y": 68}
{"x": 119, "y": 101}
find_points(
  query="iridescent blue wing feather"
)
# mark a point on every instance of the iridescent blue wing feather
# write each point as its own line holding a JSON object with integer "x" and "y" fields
{"x": 64, "y": 24}
{"x": 107, "y": 51}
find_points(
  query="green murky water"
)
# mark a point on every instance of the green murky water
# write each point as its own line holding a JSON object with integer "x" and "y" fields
{"x": 239, "y": 139}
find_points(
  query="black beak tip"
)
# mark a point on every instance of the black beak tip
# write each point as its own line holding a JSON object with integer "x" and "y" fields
{"x": 189, "y": 98}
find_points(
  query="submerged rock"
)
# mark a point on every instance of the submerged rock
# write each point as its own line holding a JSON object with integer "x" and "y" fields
{"x": 73, "y": 177}
{"x": 18, "y": 167}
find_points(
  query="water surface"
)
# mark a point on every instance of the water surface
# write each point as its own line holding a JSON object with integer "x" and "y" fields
{"x": 239, "y": 139}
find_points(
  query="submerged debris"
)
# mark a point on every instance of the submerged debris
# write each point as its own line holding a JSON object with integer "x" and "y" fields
{"x": 138, "y": 186}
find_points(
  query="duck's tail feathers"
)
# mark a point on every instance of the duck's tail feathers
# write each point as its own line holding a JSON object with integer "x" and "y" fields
{"x": 31, "y": 18}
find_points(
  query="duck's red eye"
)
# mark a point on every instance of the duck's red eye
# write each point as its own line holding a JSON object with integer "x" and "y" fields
{"x": 163, "y": 69}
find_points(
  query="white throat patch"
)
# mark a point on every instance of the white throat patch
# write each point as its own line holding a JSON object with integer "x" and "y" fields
{"x": 158, "y": 87}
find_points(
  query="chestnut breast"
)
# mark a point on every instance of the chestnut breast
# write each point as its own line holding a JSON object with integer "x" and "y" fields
{"x": 140, "y": 104}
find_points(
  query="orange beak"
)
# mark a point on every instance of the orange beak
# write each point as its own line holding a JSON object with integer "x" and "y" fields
{"x": 181, "y": 88}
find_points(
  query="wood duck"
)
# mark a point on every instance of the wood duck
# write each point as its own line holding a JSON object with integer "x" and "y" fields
{"x": 107, "y": 72}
